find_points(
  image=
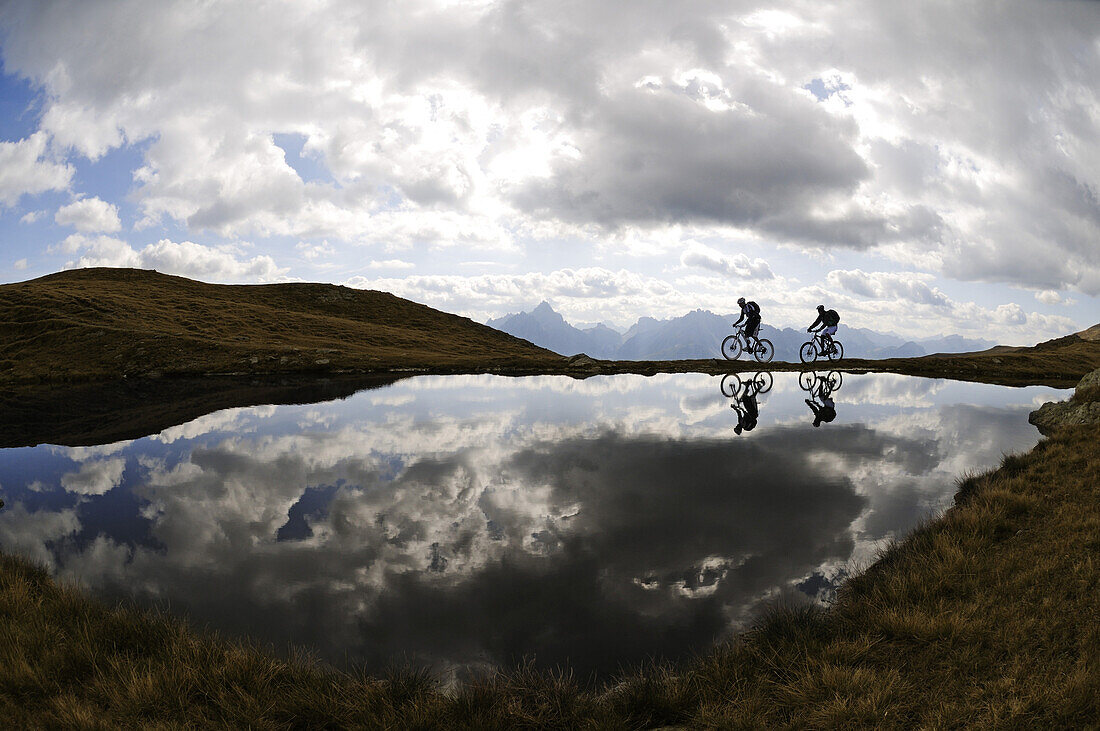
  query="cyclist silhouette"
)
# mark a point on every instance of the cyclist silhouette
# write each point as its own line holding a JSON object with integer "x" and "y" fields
{"x": 750, "y": 313}
{"x": 749, "y": 410}
{"x": 828, "y": 319}
{"x": 822, "y": 404}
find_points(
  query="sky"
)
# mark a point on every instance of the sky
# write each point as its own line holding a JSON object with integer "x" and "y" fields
{"x": 925, "y": 168}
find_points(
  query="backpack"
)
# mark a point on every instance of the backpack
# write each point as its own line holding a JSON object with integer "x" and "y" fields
{"x": 752, "y": 308}
{"x": 831, "y": 318}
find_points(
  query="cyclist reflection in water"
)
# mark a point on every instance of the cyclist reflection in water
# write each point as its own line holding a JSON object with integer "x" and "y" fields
{"x": 749, "y": 409}
{"x": 822, "y": 404}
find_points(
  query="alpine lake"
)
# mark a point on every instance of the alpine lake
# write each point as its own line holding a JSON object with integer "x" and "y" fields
{"x": 464, "y": 523}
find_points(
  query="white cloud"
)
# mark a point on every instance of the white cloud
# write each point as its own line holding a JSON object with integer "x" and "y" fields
{"x": 391, "y": 264}
{"x": 29, "y": 533}
{"x": 95, "y": 477}
{"x": 315, "y": 251}
{"x": 24, "y": 169}
{"x": 184, "y": 258}
{"x": 20, "y": 265}
{"x": 31, "y": 216}
{"x": 739, "y": 265}
{"x": 1049, "y": 297}
{"x": 89, "y": 215}
{"x": 908, "y": 286}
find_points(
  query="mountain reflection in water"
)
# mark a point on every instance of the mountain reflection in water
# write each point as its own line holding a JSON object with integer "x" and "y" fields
{"x": 474, "y": 521}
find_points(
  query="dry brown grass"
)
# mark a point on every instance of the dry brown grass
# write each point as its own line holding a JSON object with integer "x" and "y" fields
{"x": 90, "y": 324}
{"x": 986, "y": 617}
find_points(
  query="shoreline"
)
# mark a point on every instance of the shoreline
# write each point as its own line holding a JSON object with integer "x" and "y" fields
{"x": 103, "y": 412}
{"x": 1057, "y": 374}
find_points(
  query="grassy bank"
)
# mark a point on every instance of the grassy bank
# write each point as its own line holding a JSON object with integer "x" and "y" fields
{"x": 988, "y": 616}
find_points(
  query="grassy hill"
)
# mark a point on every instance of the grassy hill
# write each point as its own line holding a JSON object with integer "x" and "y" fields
{"x": 90, "y": 324}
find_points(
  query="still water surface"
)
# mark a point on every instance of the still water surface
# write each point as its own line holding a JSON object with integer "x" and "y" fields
{"x": 465, "y": 522}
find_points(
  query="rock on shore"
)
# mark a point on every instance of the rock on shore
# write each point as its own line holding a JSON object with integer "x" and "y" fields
{"x": 1082, "y": 408}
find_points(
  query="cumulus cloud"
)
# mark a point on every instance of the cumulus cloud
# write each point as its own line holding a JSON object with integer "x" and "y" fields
{"x": 908, "y": 286}
{"x": 739, "y": 265}
{"x": 95, "y": 477}
{"x": 185, "y": 258}
{"x": 26, "y": 170}
{"x": 89, "y": 215}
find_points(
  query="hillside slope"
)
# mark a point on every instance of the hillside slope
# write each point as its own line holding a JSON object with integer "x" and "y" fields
{"x": 91, "y": 324}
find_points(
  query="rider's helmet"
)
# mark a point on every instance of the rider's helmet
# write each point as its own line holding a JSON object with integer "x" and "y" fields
{"x": 821, "y": 308}
{"x": 740, "y": 300}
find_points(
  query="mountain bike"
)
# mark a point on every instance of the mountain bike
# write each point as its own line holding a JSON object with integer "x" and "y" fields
{"x": 816, "y": 348}
{"x": 829, "y": 382}
{"x": 731, "y": 383}
{"x": 760, "y": 348}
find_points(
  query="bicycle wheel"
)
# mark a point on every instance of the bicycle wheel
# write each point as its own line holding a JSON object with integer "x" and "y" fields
{"x": 837, "y": 351}
{"x": 731, "y": 385}
{"x": 764, "y": 350}
{"x": 808, "y": 352}
{"x": 806, "y": 380}
{"x": 833, "y": 380}
{"x": 763, "y": 381}
{"x": 731, "y": 347}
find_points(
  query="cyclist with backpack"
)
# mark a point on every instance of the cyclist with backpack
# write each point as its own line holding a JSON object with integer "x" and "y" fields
{"x": 750, "y": 313}
{"x": 828, "y": 319}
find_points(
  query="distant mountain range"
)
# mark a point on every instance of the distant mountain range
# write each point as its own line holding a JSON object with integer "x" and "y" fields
{"x": 699, "y": 334}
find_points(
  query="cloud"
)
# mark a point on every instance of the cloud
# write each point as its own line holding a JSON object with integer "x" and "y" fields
{"x": 391, "y": 264}
{"x": 479, "y": 123}
{"x": 315, "y": 251}
{"x": 24, "y": 169}
{"x": 667, "y": 155}
{"x": 89, "y": 215}
{"x": 20, "y": 265}
{"x": 95, "y": 477}
{"x": 908, "y": 286}
{"x": 184, "y": 258}
{"x": 30, "y": 533}
{"x": 578, "y": 291}
{"x": 700, "y": 255}
{"x": 1049, "y": 297}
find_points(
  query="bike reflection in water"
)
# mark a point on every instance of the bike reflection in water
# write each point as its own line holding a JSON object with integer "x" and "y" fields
{"x": 821, "y": 387}
{"x": 744, "y": 393}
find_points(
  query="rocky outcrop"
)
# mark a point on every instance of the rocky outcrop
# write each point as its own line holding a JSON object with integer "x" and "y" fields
{"x": 1083, "y": 407}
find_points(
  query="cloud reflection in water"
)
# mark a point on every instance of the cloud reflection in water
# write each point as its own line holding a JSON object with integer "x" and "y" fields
{"x": 476, "y": 521}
